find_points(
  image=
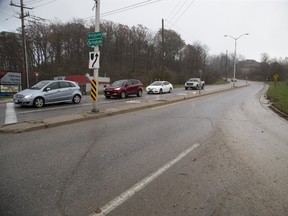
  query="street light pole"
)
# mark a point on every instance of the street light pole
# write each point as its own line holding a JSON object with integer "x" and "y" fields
{"x": 235, "y": 39}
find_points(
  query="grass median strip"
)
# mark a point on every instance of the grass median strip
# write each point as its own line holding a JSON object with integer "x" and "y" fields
{"x": 278, "y": 95}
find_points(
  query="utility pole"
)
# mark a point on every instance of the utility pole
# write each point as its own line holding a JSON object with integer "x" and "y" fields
{"x": 163, "y": 51}
{"x": 25, "y": 55}
{"x": 96, "y": 49}
{"x": 226, "y": 66}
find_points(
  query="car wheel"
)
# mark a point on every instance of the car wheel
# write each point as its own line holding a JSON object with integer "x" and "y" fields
{"x": 108, "y": 97}
{"x": 186, "y": 88}
{"x": 122, "y": 94}
{"x": 76, "y": 99}
{"x": 170, "y": 90}
{"x": 161, "y": 91}
{"x": 38, "y": 102}
{"x": 139, "y": 93}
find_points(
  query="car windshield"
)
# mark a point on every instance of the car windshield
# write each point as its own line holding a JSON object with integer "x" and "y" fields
{"x": 119, "y": 83}
{"x": 193, "y": 80}
{"x": 39, "y": 85}
{"x": 156, "y": 83}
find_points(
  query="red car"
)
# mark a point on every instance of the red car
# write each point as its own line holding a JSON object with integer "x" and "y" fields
{"x": 123, "y": 88}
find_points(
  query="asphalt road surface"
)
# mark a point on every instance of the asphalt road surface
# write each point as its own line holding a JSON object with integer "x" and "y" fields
{"x": 10, "y": 113}
{"x": 223, "y": 154}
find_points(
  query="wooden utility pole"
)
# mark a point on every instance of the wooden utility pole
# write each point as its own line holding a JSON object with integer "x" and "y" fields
{"x": 25, "y": 76}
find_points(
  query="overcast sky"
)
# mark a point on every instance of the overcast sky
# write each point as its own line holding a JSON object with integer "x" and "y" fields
{"x": 204, "y": 21}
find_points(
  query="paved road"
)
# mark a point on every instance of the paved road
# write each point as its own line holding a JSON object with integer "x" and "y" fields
{"x": 223, "y": 154}
{"x": 10, "y": 113}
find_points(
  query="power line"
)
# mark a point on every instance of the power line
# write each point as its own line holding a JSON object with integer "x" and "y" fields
{"x": 175, "y": 11}
{"x": 37, "y": 6}
{"x": 130, "y": 7}
{"x": 25, "y": 55}
{"x": 126, "y": 8}
{"x": 181, "y": 13}
{"x": 34, "y": 1}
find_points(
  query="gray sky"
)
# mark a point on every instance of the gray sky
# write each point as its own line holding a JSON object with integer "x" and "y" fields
{"x": 204, "y": 21}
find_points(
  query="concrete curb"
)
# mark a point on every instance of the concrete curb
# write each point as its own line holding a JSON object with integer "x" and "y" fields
{"x": 20, "y": 127}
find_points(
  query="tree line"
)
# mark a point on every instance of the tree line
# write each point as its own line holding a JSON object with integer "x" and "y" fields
{"x": 59, "y": 49}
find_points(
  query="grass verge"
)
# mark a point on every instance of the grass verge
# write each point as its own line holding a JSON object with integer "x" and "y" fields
{"x": 3, "y": 98}
{"x": 221, "y": 82}
{"x": 278, "y": 95}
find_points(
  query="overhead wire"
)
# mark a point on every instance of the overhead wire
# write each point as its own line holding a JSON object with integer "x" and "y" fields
{"x": 126, "y": 8}
{"x": 173, "y": 11}
{"x": 37, "y": 6}
{"x": 34, "y": 1}
{"x": 183, "y": 12}
{"x": 178, "y": 11}
{"x": 7, "y": 13}
{"x": 130, "y": 7}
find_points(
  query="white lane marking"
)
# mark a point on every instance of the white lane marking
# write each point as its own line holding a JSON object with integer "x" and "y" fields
{"x": 133, "y": 101}
{"x": 117, "y": 201}
{"x": 10, "y": 116}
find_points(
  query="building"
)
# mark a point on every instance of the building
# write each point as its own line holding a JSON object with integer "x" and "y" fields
{"x": 84, "y": 81}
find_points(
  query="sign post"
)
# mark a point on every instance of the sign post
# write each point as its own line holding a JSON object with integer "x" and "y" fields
{"x": 275, "y": 76}
{"x": 95, "y": 40}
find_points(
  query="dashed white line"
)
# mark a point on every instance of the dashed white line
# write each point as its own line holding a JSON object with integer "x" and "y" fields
{"x": 117, "y": 201}
{"x": 10, "y": 116}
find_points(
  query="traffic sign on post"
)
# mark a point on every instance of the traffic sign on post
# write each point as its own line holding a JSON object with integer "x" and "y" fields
{"x": 275, "y": 76}
{"x": 94, "y": 39}
{"x": 94, "y": 59}
{"x": 93, "y": 90}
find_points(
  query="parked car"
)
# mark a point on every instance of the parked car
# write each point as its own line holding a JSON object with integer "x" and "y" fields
{"x": 49, "y": 92}
{"x": 159, "y": 87}
{"x": 194, "y": 83}
{"x": 123, "y": 88}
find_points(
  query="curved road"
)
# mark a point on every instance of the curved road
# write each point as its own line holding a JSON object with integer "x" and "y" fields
{"x": 10, "y": 113}
{"x": 223, "y": 154}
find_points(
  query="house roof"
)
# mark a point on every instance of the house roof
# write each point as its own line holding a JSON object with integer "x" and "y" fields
{"x": 78, "y": 78}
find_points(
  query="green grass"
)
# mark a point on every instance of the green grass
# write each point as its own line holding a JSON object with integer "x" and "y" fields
{"x": 279, "y": 95}
{"x": 221, "y": 82}
{"x": 2, "y": 98}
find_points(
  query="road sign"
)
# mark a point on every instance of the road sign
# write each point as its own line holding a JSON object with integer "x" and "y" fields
{"x": 275, "y": 76}
{"x": 95, "y": 35}
{"x": 93, "y": 90}
{"x": 94, "y": 59}
{"x": 94, "y": 39}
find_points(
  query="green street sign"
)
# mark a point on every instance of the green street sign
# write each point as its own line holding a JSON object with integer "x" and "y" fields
{"x": 92, "y": 43}
{"x": 94, "y": 35}
{"x": 94, "y": 39}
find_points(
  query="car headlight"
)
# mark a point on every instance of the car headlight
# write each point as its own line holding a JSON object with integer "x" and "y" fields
{"x": 117, "y": 89}
{"x": 28, "y": 96}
